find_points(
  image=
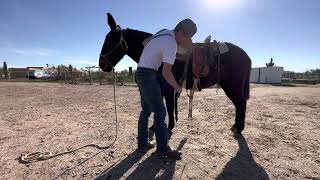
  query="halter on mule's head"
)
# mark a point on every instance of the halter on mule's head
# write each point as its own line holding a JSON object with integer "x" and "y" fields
{"x": 114, "y": 47}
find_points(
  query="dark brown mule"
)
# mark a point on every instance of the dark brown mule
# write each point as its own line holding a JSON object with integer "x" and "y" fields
{"x": 235, "y": 66}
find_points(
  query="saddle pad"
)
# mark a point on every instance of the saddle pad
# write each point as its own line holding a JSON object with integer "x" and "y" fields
{"x": 222, "y": 46}
{"x": 203, "y": 54}
{"x": 199, "y": 66}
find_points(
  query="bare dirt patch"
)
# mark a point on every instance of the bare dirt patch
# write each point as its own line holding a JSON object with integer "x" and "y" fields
{"x": 281, "y": 138}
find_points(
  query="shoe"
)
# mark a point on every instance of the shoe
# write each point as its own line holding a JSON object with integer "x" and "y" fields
{"x": 170, "y": 154}
{"x": 149, "y": 146}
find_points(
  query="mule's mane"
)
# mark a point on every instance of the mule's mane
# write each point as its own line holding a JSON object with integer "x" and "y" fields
{"x": 134, "y": 39}
{"x": 138, "y": 32}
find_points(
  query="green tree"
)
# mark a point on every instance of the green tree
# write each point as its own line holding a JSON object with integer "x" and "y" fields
{"x": 5, "y": 70}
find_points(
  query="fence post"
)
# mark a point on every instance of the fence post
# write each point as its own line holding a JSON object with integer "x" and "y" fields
{"x": 70, "y": 71}
{"x": 59, "y": 73}
{"x": 65, "y": 75}
{"x": 28, "y": 71}
{"x": 100, "y": 78}
{"x": 90, "y": 76}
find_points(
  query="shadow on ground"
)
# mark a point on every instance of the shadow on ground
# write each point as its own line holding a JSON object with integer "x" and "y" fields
{"x": 150, "y": 168}
{"x": 243, "y": 166}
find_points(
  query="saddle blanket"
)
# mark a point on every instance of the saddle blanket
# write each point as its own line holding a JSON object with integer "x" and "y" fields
{"x": 203, "y": 57}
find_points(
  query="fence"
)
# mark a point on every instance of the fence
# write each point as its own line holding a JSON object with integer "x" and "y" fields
{"x": 70, "y": 75}
{"x": 92, "y": 75}
{"x": 306, "y": 78}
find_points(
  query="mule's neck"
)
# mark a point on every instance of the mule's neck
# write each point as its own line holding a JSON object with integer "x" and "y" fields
{"x": 134, "y": 41}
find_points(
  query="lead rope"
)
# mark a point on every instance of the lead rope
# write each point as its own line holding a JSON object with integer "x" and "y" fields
{"x": 115, "y": 104}
{"x": 39, "y": 156}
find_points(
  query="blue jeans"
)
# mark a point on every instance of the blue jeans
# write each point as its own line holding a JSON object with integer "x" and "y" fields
{"x": 151, "y": 101}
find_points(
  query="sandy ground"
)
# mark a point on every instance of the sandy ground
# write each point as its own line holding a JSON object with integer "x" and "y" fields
{"x": 281, "y": 139}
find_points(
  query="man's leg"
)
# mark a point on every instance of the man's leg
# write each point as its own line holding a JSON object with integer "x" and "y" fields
{"x": 144, "y": 80}
{"x": 159, "y": 110}
{"x": 143, "y": 125}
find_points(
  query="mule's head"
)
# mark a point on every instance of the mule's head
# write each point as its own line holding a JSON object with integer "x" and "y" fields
{"x": 114, "y": 46}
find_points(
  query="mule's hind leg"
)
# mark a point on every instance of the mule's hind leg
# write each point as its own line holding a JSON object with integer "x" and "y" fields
{"x": 241, "y": 106}
{"x": 240, "y": 103}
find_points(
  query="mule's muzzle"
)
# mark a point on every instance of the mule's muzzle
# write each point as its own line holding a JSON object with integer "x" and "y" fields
{"x": 104, "y": 65}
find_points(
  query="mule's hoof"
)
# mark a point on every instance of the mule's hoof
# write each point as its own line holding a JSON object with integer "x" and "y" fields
{"x": 235, "y": 130}
{"x": 237, "y": 135}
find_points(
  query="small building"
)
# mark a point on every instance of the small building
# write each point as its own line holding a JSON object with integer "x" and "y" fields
{"x": 35, "y": 72}
{"x": 18, "y": 73}
{"x": 266, "y": 75}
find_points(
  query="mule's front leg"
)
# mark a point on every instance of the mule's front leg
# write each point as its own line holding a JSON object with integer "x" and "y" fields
{"x": 240, "y": 103}
{"x": 170, "y": 109}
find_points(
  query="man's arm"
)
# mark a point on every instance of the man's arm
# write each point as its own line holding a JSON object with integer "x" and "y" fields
{"x": 168, "y": 76}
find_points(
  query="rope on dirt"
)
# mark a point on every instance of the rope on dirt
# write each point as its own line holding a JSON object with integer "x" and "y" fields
{"x": 40, "y": 156}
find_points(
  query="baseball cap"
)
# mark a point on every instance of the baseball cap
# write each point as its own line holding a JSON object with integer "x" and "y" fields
{"x": 188, "y": 26}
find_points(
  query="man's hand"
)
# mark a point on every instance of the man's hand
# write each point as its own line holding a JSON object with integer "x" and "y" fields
{"x": 168, "y": 76}
{"x": 178, "y": 90}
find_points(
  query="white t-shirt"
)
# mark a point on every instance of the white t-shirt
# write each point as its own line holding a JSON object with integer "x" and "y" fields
{"x": 159, "y": 49}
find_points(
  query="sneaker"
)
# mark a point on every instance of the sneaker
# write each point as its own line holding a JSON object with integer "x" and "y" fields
{"x": 149, "y": 146}
{"x": 170, "y": 154}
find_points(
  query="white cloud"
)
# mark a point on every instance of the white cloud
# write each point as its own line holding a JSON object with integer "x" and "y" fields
{"x": 18, "y": 51}
{"x": 41, "y": 53}
{"x": 37, "y": 51}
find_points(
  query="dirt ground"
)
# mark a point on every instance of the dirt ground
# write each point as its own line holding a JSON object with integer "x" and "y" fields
{"x": 281, "y": 138}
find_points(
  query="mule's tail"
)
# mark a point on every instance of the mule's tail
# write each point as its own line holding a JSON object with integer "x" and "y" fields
{"x": 247, "y": 85}
{"x": 176, "y": 96}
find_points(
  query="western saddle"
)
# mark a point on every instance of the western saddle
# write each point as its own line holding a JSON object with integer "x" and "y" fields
{"x": 204, "y": 57}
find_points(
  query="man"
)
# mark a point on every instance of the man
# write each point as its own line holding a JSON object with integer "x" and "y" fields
{"x": 160, "y": 49}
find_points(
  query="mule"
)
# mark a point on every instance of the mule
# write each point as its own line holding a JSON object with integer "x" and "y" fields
{"x": 231, "y": 70}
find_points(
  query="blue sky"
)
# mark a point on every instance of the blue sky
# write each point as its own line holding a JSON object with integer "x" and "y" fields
{"x": 37, "y": 32}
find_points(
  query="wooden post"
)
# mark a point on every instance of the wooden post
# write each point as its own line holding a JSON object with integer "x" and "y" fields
{"x": 59, "y": 73}
{"x": 90, "y": 76}
{"x": 130, "y": 71}
{"x": 28, "y": 74}
{"x": 47, "y": 72}
{"x": 100, "y": 77}
{"x": 65, "y": 75}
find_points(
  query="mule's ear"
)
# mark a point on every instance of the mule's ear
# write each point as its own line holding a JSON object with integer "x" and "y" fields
{"x": 111, "y": 22}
